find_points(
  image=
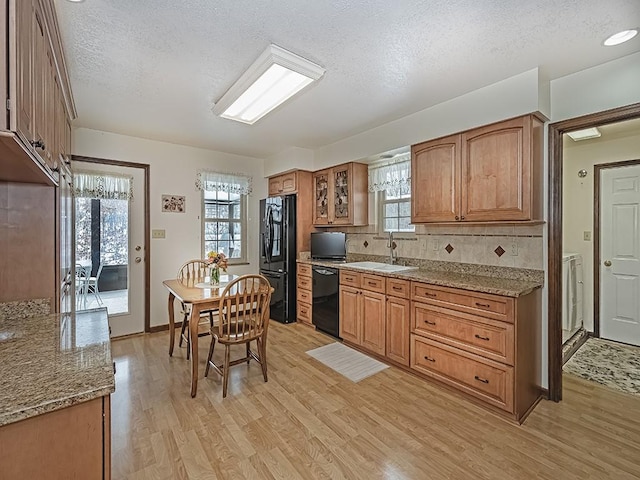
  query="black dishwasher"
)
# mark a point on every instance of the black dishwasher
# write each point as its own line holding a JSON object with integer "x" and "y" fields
{"x": 326, "y": 284}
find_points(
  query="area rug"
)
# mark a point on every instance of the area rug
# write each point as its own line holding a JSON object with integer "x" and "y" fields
{"x": 609, "y": 363}
{"x": 347, "y": 361}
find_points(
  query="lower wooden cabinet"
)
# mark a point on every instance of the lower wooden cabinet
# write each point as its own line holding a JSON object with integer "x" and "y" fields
{"x": 73, "y": 442}
{"x": 398, "y": 326}
{"x": 304, "y": 297}
{"x": 362, "y": 312}
{"x": 487, "y": 346}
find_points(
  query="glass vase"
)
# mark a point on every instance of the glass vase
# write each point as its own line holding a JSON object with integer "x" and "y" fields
{"x": 214, "y": 276}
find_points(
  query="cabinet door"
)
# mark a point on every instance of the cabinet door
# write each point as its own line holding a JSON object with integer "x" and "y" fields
{"x": 343, "y": 194}
{"x": 275, "y": 186}
{"x": 323, "y": 203}
{"x": 24, "y": 67}
{"x": 496, "y": 163}
{"x": 350, "y": 315}
{"x": 40, "y": 75}
{"x": 373, "y": 321}
{"x": 435, "y": 180}
{"x": 398, "y": 324}
{"x": 288, "y": 182}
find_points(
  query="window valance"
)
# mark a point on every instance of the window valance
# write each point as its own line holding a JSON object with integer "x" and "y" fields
{"x": 108, "y": 186}
{"x": 225, "y": 182}
{"x": 394, "y": 177}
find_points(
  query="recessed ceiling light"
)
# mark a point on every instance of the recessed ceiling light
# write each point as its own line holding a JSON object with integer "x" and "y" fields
{"x": 584, "y": 134}
{"x": 620, "y": 37}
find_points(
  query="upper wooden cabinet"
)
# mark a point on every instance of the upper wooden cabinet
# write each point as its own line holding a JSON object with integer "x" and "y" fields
{"x": 341, "y": 196}
{"x": 492, "y": 173}
{"x": 283, "y": 184}
{"x": 39, "y": 100}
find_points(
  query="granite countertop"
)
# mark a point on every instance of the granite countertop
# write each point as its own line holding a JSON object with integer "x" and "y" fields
{"x": 483, "y": 279}
{"x": 49, "y": 362}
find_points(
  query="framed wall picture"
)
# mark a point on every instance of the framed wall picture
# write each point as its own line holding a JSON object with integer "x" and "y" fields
{"x": 173, "y": 203}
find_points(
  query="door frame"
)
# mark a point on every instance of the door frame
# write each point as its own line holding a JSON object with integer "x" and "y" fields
{"x": 596, "y": 244}
{"x": 554, "y": 238}
{"x": 147, "y": 234}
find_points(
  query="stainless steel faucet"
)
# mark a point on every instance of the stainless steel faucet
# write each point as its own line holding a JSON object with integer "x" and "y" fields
{"x": 393, "y": 256}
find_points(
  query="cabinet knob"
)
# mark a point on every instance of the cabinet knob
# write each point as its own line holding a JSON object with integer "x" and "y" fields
{"x": 462, "y": 217}
{"x": 457, "y": 217}
{"x": 38, "y": 144}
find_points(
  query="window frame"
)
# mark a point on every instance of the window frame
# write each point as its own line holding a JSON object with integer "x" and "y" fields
{"x": 381, "y": 198}
{"x": 243, "y": 259}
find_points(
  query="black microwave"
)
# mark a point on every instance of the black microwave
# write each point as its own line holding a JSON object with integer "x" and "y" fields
{"x": 329, "y": 245}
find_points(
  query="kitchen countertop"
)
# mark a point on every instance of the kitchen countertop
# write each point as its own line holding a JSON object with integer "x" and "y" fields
{"x": 497, "y": 285}
{"x": 49, "y": 362}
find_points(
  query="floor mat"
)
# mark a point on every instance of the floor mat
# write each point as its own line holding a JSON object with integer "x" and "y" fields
{"x": 347, "y": 361}
{"x": 609, "y": 363}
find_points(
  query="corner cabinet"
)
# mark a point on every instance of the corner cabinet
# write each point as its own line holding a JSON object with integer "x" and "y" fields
{"x": 488, "y": 174}
{"x": 341, "y": 196}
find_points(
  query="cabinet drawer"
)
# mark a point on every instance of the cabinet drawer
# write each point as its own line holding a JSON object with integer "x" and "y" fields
{"x": 304, "y": 270}
{"x": 483, "y": 336}
{"x": 398, "y": 288}
{"x": 304, "y": 296}
{"x": 350, "y": 278}
{"x": 482, "y": 378}
{"x": 500, "y": 308}
{"x": 304, "y": 283}
{"x": 304, "y": 313}
{"x": 373, "y": 283}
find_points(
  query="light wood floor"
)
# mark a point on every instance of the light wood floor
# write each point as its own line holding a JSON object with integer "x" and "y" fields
{"x": 309, "y": 422}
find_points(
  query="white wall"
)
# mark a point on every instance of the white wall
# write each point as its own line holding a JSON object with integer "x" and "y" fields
{"x": 578, "y": 201}
{"x": 289, "y": 159}
{"x": 173, "y": 171}
{"x": 610, "y": 85}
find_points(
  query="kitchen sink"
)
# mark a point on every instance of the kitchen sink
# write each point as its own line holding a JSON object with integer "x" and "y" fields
{"x": 380, "y": 267}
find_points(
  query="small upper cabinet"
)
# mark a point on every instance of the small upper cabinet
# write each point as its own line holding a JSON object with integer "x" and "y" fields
{"x": 492, "y": 173}
{"x": 341, "y": 195}
{"x": 283, "y": 184}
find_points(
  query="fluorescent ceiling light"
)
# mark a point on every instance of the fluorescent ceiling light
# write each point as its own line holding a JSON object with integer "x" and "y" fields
{"x": 620, "y": 37}
{"x": 584, "y": 134}
{"x": 272, "y": 79}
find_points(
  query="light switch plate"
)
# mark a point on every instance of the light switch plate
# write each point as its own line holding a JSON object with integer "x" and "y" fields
{"x": 157, "y": 234}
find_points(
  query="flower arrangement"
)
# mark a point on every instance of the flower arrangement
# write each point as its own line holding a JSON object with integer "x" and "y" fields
{"x": 217, "y": 260}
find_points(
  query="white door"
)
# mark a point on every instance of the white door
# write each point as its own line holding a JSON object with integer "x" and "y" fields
{"x": 126, "y": 303}
{"x": 619, "y": 254}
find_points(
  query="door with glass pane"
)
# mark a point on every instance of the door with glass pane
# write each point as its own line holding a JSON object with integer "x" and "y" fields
{"x": 110, "y": 250}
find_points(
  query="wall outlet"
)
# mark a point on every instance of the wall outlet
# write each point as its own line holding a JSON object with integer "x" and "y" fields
{"x": 435, "y": 244}
{"x": 587, "y": 236}
{"x": 157, "y": 234}
{"x": 514, "y": 249}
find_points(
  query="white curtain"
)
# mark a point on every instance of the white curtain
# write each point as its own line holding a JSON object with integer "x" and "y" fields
{"x": 225, "y": 182}
{"x": 394, "y": 176}
{"x": 102, "y": 185}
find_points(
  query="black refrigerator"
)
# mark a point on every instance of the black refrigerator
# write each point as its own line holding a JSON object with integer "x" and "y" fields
{"x": 278, "y": 254}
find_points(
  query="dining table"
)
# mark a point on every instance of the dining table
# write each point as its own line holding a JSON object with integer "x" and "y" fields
{"x": 199, "y": 296}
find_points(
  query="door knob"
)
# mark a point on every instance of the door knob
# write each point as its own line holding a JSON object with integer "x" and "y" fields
{"x": 138, "y": 260}
{"x": 607, "y": 263}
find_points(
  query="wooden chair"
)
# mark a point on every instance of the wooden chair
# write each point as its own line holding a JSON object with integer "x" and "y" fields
{"x": 193, "y": 271}
{"x": 243, "y": 316}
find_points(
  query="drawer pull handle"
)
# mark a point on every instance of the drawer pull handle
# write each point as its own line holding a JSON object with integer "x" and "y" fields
{"x": 482, "y": 338}
{"x": 429, "y": 323}
{"x": 485, "y": 305}
{"x": 483, "y": 380}
{"x": 372, "y": 283}
{"x": 430, "y": 294}
{"x": 397, "y": 288}
{"x": 429, "y": 359}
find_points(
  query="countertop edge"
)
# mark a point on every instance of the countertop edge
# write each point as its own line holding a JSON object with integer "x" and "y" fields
{"x": 54, "y": 405}
{"x": 525, "y": 288}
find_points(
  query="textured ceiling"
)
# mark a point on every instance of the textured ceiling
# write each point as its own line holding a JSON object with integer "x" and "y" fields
{"x": 154, "y": 68}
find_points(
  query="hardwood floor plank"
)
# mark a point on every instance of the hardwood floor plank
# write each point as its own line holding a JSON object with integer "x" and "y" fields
{"x": 309, "y": 422}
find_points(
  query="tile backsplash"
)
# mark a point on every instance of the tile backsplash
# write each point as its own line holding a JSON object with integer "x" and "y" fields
{"x": 518, "y": 246}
